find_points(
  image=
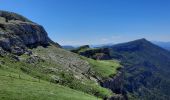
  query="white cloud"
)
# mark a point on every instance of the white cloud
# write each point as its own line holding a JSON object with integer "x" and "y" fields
{"x": 104, "y": 39}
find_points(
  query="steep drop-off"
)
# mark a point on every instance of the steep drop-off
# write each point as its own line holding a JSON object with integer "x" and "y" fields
{"x": 147, "y": 67}
{"x": 27, "y": 55}
{"x": 145, "y": 73}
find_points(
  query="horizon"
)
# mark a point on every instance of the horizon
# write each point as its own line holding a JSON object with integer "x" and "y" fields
{"x": 105, "y": 44}
{"x": 96, "y": 22}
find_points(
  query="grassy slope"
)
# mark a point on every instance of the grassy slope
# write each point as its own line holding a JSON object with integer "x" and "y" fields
{"x": 67, "y": 78}
{"x": 101, "y": 68}
{"x": 29, "y": 88}
{"x": 104, "y": 68}
{"x": 42, "y": 70}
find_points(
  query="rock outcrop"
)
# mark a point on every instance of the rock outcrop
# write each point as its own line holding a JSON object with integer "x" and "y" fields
{"x": 17, "y": 33}
{"x": 94, "y": 53}
{"x": 116, "y": 84}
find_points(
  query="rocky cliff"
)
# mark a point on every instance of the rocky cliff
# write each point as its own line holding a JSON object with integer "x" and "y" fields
{"x": 94, "y": 53}
{"x": 146, "y": 67}
{"x": 26, "y": 48}
{"x": 116, "y": 84}
{"x": 17, "y": 33}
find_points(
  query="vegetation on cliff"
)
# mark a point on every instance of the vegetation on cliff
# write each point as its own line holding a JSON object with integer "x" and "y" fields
{"x": 146, "y": 69}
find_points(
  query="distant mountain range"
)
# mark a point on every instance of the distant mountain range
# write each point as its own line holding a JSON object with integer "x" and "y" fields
{"x": 165, "y": 45}
{"x": 68, "y": 47}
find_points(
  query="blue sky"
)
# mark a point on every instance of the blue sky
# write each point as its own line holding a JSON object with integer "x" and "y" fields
{"x": 78, "y": 22}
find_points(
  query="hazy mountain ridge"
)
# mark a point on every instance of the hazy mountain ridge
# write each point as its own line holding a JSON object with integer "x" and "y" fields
{"x": 165, "y": 45}
{"x": 68, "y": 47}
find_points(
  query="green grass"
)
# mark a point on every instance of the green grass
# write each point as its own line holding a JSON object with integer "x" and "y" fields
{"x": 104, "y": 68}
{"x": 16, "y": 85}
{"x": 39, "y": 70}
{"x": 67, "y": 78}
{"x": 87, "y": 86}
{"x": 28, "y": 88}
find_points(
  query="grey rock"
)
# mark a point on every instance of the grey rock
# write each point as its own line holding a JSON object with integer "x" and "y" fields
{"x": 18, "y": 33}
{"x": 17, "y": 51}
{"x": 34, "y": 59}
{"x": 14, "y": 58}
{"x": 2, "y": 62}
{"x": 2, "y": 52}
{"x": 55, "y": 79}
{"x": 12, "y": 16}
{"x": 116, "y": 84}
{"x": 28, "y": 52}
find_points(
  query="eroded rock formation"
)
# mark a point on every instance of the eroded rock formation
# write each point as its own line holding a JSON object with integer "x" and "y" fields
{"x": 17, "y": 33}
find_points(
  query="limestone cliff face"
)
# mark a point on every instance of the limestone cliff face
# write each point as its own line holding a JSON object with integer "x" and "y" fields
{"x": 17, "y": 33}
{"x": 116, "y": 84}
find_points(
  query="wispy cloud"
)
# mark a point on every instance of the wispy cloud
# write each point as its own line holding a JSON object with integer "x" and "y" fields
{"x": 118, "y": 38}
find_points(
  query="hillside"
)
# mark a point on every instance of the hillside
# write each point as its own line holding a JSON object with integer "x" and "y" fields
{"x": 16, "y": 85}
{"x": 34, "y": 67}
{"x": 146, "y": 68}
{"x": 32, "y": 64}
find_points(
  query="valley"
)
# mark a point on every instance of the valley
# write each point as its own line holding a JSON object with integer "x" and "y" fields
{"x": 33, "y": 67}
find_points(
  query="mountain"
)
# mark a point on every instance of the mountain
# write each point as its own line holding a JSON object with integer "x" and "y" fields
{"x": 34, "y": 67}
{"x": 68, "y": 47}
{"x": 146, "y": 68}
{"x": 18, "y": 32}
{"x": 101, "y": 45}
{"x": 165, "y": 45}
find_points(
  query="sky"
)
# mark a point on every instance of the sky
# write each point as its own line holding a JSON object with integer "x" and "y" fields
{"x": 80, "y": 22}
